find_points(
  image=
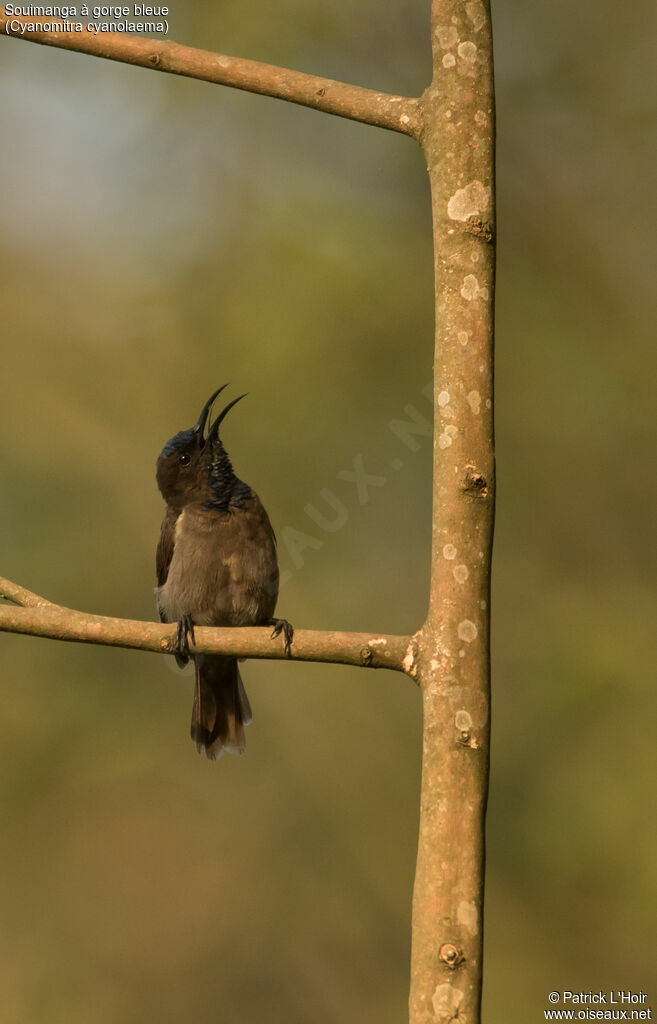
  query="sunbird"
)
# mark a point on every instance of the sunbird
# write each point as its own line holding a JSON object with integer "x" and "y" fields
{"x": 216, "y": 566}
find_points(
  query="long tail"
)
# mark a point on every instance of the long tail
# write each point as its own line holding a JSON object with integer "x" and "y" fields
{"x": 221, "y": 707}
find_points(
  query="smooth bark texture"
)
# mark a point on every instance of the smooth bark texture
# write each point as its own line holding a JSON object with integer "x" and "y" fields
{"x": 449, "y": 656}
{"x": 452, "y": 660}
{"x": 38, "y": 617}
{"x": 398, "y": 113}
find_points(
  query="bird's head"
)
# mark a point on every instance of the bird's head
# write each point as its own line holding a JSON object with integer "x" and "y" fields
{"x": 193, "y": 465}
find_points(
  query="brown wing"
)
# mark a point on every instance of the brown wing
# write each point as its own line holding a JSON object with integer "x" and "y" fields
{"x": 165, "y": 546}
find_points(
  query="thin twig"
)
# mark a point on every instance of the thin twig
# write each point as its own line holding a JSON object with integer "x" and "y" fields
{"x": 398, "y": 113}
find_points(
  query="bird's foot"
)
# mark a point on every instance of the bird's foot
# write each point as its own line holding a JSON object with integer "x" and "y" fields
{"x": 284, "y": 627}
{"x": 185, "y": 631}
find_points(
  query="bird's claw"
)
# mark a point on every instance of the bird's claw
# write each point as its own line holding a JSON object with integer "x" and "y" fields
{"x": 185, "y": 631}
{"x": 284, "y": 627}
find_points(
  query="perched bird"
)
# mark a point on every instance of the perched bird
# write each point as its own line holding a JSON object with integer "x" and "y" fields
{"x": 216, "y": 566}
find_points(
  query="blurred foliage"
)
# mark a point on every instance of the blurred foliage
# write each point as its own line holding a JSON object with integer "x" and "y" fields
{"x": 161, "y": 236}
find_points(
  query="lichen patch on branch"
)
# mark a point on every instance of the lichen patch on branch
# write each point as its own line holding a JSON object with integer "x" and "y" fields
{"x": 467, "y": 631}
{"x": 446, "y": 1000}
{"x": 468, "y": 51}
{"x": 471, "y": 289}
{"x": 466, "y": 916}
{"x": 469, "y": 201}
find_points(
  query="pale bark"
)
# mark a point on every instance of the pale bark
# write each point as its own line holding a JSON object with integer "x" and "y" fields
{"x": 449, "y": 656}
{"x": 398, "y": 113}
{"x": 452, "y": 663}
{"x": 37, "y": 617}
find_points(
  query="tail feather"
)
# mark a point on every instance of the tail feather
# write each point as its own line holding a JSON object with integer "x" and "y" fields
{"x": 245, "y": 707}
{"x": 221, "y": 707}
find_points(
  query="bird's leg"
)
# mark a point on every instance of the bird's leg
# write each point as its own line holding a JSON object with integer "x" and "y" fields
{"x": 284, "y": 627}
{"x": 185, "y": 630}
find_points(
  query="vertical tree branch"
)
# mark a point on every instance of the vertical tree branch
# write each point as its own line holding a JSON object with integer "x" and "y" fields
{"x": 452, "y": 652}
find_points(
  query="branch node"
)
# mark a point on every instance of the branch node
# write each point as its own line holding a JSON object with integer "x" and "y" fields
{"x": 475, "y": 484}
{"x": 154, "y": 60}
{"x": 479, "y": 228}
{"x": 451, "y": 956}
{"x": 466, "y": 739}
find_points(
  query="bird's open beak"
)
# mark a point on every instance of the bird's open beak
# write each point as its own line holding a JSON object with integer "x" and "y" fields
{"x": 213, "y": 432}
{"x": 205, "y": 411}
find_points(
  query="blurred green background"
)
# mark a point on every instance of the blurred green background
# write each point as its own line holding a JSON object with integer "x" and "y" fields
{"x": 161, "y": 236}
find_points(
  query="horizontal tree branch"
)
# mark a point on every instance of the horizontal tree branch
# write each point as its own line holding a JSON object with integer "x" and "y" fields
{"x": 37, "y": 617}
{"x": 398, "y": 113}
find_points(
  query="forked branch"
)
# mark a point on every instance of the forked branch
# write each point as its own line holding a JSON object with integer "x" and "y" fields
{"x": 449, "y": 657}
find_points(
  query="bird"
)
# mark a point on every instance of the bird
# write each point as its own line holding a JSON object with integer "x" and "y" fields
{"x": 216, "y": 565}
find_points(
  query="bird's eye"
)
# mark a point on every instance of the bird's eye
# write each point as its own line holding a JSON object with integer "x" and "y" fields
{"x": 185, "y": 459}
